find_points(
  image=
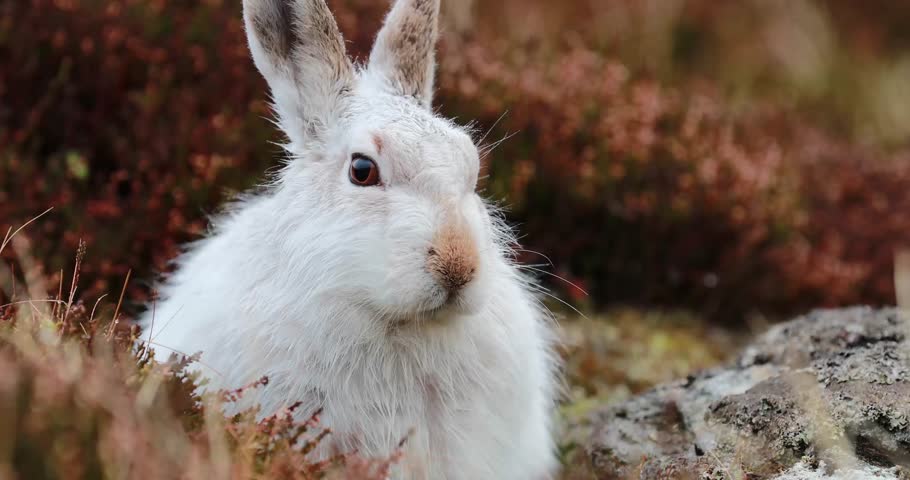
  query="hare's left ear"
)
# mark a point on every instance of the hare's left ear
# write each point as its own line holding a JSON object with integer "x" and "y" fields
{"x": 404, "y": 55}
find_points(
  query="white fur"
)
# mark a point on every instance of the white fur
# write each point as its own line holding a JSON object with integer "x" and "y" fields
{"x": 322, "y": 286}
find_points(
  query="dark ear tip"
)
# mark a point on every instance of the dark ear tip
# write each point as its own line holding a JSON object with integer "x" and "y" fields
{"x": 405, "y": 49}
{"x": 272, "y": 22}
{"x": 290, "y": 31}
{"x": 296, "y": 45}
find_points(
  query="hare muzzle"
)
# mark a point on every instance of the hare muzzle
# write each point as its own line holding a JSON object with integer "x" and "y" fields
{"x": 453, "y": 258}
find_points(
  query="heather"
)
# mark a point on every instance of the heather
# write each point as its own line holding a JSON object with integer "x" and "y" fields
{"x": 79, "y": 400}
{"x": 686, "y": 183}
{"x": 737, "y": 163}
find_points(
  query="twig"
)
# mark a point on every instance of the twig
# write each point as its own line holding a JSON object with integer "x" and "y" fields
{"x": 80, "y": 254}
{"x": 116, "y": 318}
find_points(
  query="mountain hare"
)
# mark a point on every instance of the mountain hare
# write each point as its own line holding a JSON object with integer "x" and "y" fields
{"x": 370, "y": 279}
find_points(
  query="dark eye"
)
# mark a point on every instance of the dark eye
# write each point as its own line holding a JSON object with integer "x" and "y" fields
{"x": 364, "y": 171}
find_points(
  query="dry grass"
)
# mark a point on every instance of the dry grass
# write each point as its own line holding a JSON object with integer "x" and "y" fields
{"x": 78, "y": 400}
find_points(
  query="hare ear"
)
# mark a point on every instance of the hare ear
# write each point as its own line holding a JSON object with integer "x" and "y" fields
{"x": 404, "y": 55}
{"x": 297, "y": 47}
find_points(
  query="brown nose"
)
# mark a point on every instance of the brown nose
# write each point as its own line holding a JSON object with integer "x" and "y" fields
{"x": 452, "y": 259}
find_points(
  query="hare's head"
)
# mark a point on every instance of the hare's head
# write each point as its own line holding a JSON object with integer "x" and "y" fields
{"x": 368, "y": 151}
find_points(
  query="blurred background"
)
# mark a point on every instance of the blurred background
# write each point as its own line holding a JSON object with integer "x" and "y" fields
{"x": 680, "y": 171}
{"x": 734, "y": 160}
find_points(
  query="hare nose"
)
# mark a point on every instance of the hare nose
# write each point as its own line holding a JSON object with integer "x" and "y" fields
{"x": 452, "y": 258}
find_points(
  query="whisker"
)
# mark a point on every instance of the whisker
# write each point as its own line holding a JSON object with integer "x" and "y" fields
{"x": 490, "y": 130}
{"x": 524, "y": 250}
{"x": 533, "y": 269}
{"x": 488, "y": 149}
{"x": 168, "y": 322}
{"x": 543, "y": 291}
{"x": 533, "y": 265}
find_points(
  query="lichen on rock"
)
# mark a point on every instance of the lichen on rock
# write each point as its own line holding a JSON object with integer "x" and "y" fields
{"x": 828, "y": 392}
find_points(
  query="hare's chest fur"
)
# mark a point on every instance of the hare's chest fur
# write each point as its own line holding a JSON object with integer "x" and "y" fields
{"x": 472, "y": 398}
{"x": 477, "y": 413}
{"x": 477, "y": 409}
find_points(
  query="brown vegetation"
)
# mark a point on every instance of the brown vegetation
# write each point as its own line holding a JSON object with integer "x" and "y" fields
{"x": 133, "y": 117}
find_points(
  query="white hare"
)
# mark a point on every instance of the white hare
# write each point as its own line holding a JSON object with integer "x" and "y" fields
{"x": 370, "y": 279}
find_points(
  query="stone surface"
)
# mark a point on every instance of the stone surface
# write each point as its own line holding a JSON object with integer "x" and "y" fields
{"x": 824, "y": 396}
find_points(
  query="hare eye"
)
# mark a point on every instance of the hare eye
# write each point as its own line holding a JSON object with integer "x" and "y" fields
{"x": 364, "y": 171}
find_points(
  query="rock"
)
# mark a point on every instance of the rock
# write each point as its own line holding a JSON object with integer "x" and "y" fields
{"x": 824, "y": 396}
{"x": 803, "y": 471}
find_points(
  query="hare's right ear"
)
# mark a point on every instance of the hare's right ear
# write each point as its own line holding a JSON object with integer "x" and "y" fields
{"x": 297, "y": 47}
